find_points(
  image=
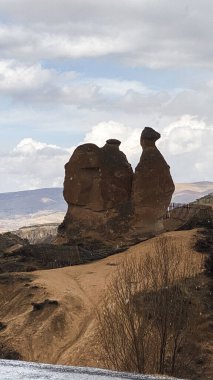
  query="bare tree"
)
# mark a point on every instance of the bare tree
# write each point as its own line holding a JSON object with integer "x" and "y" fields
{"x": 146, "y": 314}
{"x": 122, "y": 330}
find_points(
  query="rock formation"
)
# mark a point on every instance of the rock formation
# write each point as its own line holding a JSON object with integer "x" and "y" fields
{"x": 106, "y": 202}
{"x": 98, "y": 178}
{"x": 97, "y": 188}
{"x": 152, "y": 186}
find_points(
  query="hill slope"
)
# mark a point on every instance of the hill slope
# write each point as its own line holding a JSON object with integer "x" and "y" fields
{"x": 31, "y": 202}
{"x": 59, "y": 330}
{"x": 32, "y": 207}
{"x": 189, "y": 192}
{"x": 206, "y": 200}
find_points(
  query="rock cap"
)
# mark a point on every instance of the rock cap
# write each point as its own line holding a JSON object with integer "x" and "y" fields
{"x": 113, "y": 142}
{"x": 150, "y": 134}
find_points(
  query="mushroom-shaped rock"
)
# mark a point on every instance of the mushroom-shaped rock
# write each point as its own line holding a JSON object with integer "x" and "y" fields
{"x": 152, "y": 185}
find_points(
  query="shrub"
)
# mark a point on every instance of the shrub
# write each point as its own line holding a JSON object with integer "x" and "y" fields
{"x": 146, "y": 315}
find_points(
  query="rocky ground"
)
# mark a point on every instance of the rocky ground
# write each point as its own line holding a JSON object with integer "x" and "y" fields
{"x": 18, "y": 255}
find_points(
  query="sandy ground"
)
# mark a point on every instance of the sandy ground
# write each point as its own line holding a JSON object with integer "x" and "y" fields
{"x": 61, "y": 334}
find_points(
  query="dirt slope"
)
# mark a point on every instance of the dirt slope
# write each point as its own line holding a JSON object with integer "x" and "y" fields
{"x": 59, "y": 332}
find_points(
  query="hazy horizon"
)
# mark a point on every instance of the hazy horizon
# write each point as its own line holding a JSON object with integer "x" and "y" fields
{"x": 61, "y": 187}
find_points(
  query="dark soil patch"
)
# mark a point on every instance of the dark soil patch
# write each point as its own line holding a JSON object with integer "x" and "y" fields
{"x": 2, "y": 326}
{"x": 48, "y": 256}
{"x": 42, "y": 305}
{"x": 204, "y": 244}
{"x": 8, "y": 353}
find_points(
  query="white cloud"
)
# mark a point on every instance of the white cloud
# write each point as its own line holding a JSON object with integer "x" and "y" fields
{"x": 41, "y": 95}
{"x": 119, "y": 87}
{"x": 186, "y": 145}
{"x": 140, "y": 33}
{"x": 16, "y": 78}
{"x": 50, "y": 100}
{"x": 29, "y": 147}
{"x": 129, "y": 138}
{"x": 28, "y": 80}
{"x": 185, "y": 135}
{"x": 33, "y": 164}
{"x": 23, "y": 42}
{"x": 34, "y": 85}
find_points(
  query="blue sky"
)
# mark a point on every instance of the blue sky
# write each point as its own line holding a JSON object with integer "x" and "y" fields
{"x": 87, "y": 70}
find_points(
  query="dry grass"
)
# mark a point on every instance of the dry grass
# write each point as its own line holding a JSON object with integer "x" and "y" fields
{"x": 147, "y": 317}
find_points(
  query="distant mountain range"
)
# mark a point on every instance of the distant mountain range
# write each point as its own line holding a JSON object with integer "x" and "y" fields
{"x": 206, "y": 200}
{"x": 31, "y": 207}
{"x": 189, "y": 192}
{"x": 42, "y": 206}
{"x": 31, "y": 202}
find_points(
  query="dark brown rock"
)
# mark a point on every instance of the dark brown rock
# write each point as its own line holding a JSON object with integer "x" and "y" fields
{"x": 82, "y": 184}
{"x": 116, "y": 175}
{"x": 98, "y": 183}
{"x": 10, "y": 241}
{"x": 98, "y": 178}
{"x": 105, "y": 202}
{"x": 152, "y": 186}
{"x": 149, "y": 134}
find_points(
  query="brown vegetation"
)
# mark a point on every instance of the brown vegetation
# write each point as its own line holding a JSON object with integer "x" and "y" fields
{"x": 204, "y": 244}
{"x": 147, "y": 316}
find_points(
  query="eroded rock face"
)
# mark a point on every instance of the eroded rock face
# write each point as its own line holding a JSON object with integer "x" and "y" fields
{"x": 82, "y": 184}
{"x": 97, "y": 185}
{"x": 117, "y": 175}
{"x": 152, "y": 186}
{"x": 98, "y": 178}
{"x": 106, "y": 201}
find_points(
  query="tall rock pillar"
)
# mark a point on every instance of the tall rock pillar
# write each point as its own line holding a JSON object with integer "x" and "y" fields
{"x": 152, "y": 186}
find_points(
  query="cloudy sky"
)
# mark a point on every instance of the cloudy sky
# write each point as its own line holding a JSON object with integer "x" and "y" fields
{"x": 74, "y": 71}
